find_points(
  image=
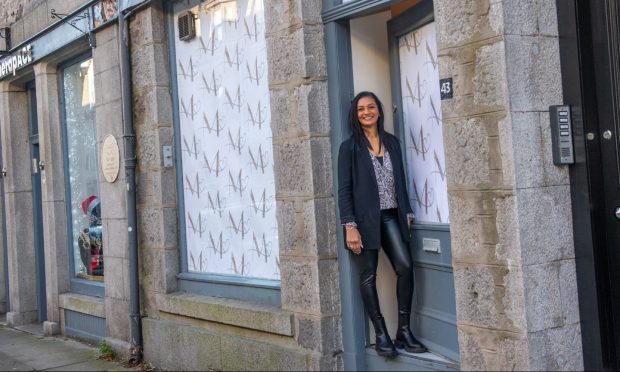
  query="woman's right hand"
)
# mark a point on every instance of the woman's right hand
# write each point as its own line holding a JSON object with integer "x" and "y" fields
{"x": 354, "y": 240}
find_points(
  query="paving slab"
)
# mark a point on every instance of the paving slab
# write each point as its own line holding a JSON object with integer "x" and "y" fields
{"x": 22, "y": 351}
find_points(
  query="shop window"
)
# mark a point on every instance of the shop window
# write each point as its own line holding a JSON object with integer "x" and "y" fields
{"x": 82, "y": 175}
{"x": 224, "y": 139}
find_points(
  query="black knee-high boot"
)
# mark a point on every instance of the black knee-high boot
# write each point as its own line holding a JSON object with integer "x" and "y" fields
{"x": 405, "y": 338}
{"x": 367, "y": 263}
{"x": 383, "y": 343}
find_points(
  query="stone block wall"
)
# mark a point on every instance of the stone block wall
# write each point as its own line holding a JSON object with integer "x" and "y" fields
{"x": 108, "y": 119}
{"x": 513, "y": 252}
{"x": 26, "y": 18}
{"x": 198, "y": 332}
{"x": 302, "y": 155}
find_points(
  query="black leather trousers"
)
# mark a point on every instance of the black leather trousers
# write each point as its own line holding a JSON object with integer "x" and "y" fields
{"x": 398, "y": 252}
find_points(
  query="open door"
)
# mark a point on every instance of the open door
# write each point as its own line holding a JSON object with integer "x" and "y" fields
{"x": 418, "y": 123}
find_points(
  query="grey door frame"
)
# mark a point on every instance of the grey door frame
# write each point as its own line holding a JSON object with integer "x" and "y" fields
{"x": 414, "y": 18}
{"x": 37, "y": 204}
{"x": 336, "y": 16}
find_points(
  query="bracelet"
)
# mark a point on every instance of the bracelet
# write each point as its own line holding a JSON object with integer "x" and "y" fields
{"x": 350, "y": 226}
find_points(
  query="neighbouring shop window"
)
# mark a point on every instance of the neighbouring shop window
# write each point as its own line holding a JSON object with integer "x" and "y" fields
{"x": 428, "y": 188}
{"x": 225, "y": 139}
{"x": 82, "y": 170}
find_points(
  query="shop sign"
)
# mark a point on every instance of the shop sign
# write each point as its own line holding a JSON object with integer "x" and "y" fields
{"x": 110, "y": 158}
{"x": 19, "y": 59}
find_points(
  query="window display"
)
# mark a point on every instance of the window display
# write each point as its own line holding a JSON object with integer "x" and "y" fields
{"x": 83, "y": 172}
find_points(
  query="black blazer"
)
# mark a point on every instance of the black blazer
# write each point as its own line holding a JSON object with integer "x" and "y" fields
{"x": 358, "y": 193}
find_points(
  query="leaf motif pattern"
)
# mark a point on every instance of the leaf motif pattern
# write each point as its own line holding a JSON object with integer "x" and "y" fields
{"x": 226, "y": 142}
{"x": 423, "y": 125}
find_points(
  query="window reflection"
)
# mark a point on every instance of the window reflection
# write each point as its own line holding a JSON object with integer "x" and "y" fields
{"x": 83, "y": 171}
{"x": 104, "y": 11}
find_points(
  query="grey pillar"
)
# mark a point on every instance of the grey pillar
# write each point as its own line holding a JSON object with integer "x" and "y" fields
{"x": 18, "y": 196}
{"x": 52, "y": 191}
{"x": 513, "y": 254}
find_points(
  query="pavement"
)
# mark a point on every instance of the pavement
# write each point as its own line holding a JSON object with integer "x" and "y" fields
{"x": 25, "y": 350}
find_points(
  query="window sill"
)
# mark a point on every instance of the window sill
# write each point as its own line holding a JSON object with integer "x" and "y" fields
{"x": 90, "y": 305}
{"x": 238, "y": 313}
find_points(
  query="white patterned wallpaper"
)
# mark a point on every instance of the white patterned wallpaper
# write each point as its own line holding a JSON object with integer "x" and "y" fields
{"x": 428, "y": 189}
{"x": 227, "y": 156}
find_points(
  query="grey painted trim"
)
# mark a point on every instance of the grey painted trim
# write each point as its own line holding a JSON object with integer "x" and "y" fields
{"x": 126, "y": 4}
{"x": 178, "y": 153}
{"x": 247, "y": 291}
{"x": 5, "y": 244}
{"x": 231, "y": 279}
{"x": 251, "y": 289}
{"x": 341, "y": 91}
{"x": 37, "y": 206}
{"x": 328, "y": 4}
{"x": 427, "y": 226}
{"x": 433, "y": 265}
{"x": 77, "y": 285}
{"x": 408, "y": 363}
{"x": 440, "y": 316}
{"x": 354, "y": 9}
{"x": 84, "y": 326}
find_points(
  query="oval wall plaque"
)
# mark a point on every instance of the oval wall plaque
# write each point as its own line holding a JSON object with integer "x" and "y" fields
{"x": 110, "y": 158}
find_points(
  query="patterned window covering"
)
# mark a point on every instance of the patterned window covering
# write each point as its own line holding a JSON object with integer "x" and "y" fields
{"x": 423, "y": 125}
{"x": 227, "y": 153}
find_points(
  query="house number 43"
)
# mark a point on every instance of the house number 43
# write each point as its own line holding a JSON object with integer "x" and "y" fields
{"x": 445, "y": 88}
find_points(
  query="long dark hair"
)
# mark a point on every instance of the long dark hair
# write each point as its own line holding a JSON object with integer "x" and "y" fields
{"x": 354, "y": 123}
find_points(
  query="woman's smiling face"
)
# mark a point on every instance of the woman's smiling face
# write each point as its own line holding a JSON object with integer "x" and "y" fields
{"x": 367, "y": 112}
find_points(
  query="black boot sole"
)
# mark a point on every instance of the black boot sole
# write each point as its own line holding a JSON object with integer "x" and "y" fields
{"x": 388, "y": 354}
{"x": 414, "y": 350}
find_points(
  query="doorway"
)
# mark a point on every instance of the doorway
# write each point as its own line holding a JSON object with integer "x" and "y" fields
{"x": 590, "y": 56}
{"x": 368, "y": 50}
{"x": 37, "y": 203}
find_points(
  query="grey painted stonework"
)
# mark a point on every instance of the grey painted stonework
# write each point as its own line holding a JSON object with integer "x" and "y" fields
{"x": 511, "y": 233}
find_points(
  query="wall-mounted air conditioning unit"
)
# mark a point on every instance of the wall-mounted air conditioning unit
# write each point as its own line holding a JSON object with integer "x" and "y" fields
{"x": 187, "y": 26}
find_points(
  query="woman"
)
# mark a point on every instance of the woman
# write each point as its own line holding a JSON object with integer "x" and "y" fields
{"x": 375, "y": 212}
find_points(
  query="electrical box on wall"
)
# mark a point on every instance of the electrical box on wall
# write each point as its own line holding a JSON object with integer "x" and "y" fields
{"x": 5, "y": 39}
{"x": 561, "y": 134}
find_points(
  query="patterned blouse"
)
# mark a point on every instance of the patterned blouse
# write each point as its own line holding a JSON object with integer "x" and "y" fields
{"x": 385, "y": 181}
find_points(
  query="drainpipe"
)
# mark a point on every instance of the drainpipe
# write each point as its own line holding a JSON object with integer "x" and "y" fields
{"x": 5, "y": 250}
{"x": 130, "y": 161}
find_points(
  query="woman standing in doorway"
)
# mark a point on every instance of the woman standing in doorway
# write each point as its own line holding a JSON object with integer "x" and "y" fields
{"x": 375, "y": 212}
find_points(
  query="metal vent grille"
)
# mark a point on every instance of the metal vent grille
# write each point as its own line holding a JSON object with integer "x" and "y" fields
{"x": 187, "y": 26}
{"x": 84, "y": 326}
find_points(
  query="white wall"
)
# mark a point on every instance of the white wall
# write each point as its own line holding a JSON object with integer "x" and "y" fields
{"x": 371, "y": 63}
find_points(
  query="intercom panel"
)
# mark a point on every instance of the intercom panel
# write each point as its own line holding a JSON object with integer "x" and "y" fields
{"x": 562, "y": 134}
